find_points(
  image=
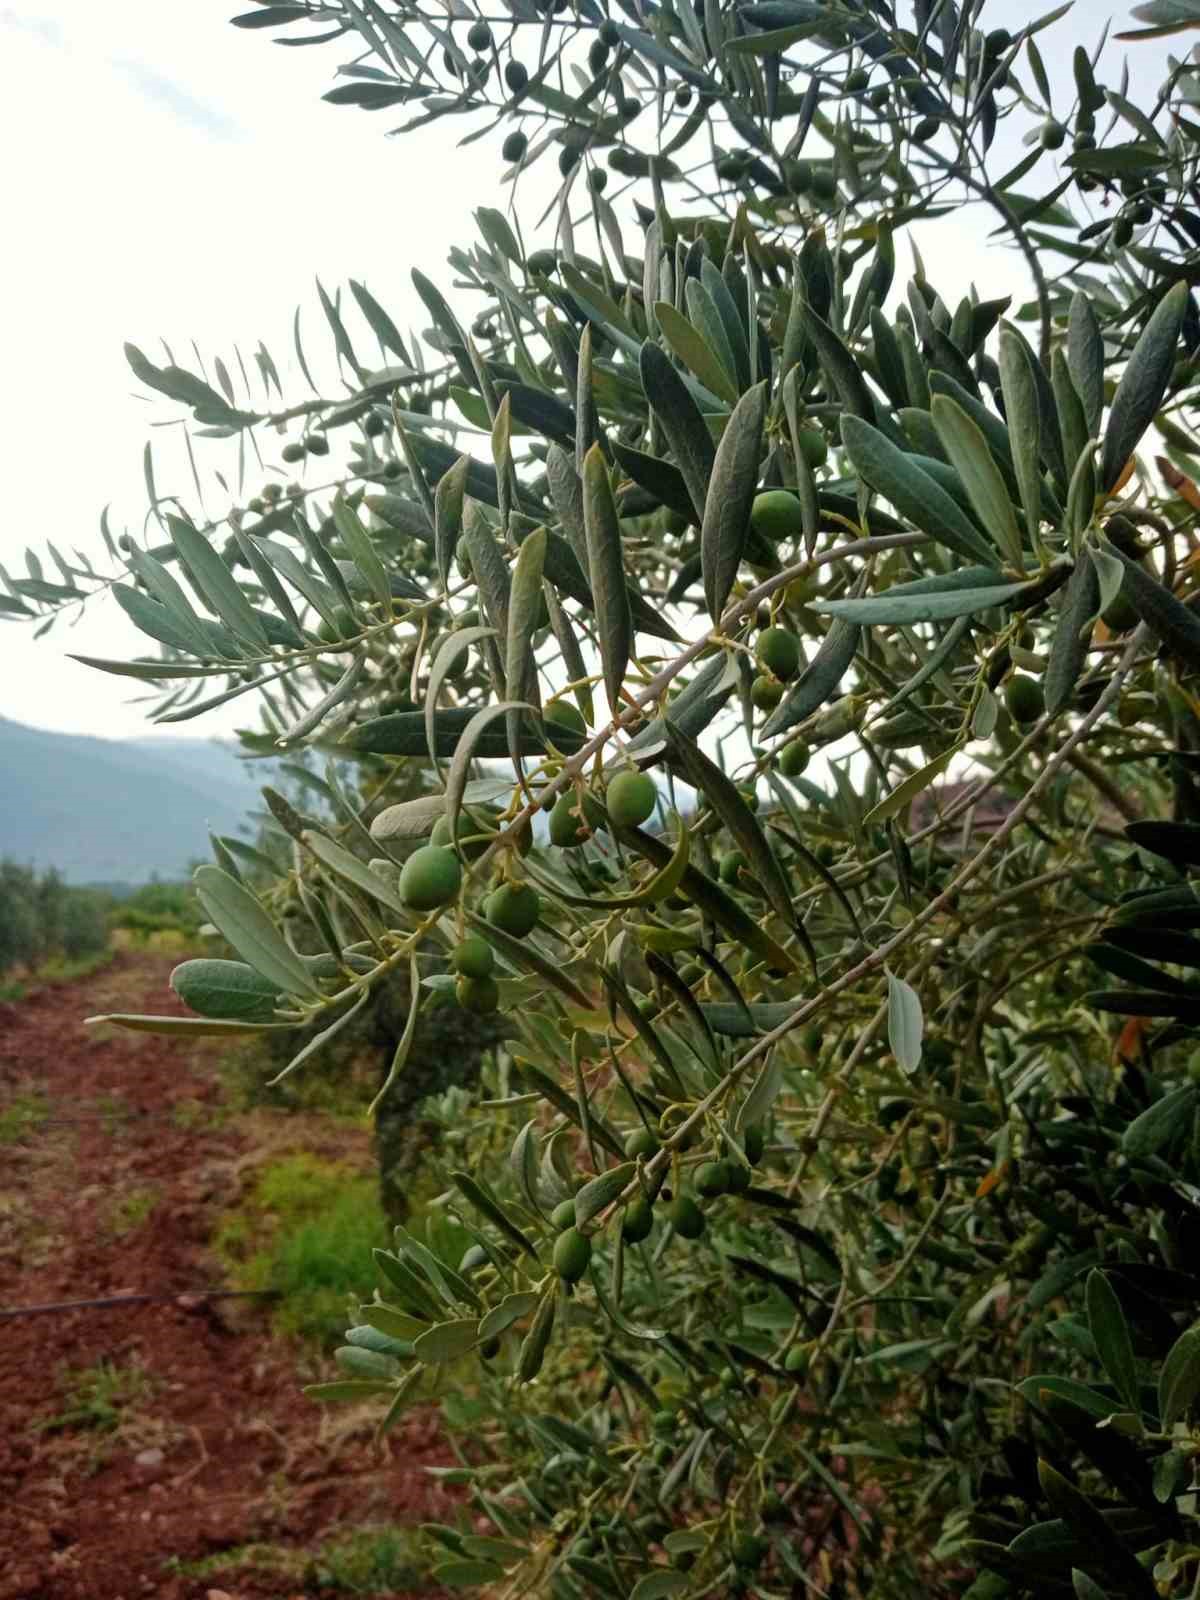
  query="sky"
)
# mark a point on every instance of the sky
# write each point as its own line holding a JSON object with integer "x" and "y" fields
{"x": 169, "y": 176}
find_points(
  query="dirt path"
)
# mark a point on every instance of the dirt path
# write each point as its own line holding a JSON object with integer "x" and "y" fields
{"x": 114, "y": 1186}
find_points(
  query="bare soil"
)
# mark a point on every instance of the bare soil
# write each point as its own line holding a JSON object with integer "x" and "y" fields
{"x": 116, "y": 1190}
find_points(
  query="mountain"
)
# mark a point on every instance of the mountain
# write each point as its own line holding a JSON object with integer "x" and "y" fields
{"x": 118, "y": 811}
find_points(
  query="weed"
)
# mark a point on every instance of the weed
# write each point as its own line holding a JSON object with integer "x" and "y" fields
{"x": 96, "y": 1398}
{"x": 367, "y": 1561}
{"x": 257, "y": 1558}
{"x": 59, "y": 969}
{"x": 370, "y": 1561}
{"x": 307, "y": 1228}
{"x": 131, "y": 1210}
{"x": 198, "y": 1114}
{"x": 20, "y": 1116}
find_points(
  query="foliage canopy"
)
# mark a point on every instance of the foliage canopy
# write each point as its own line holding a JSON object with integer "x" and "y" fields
{"x": 830, "y": 1221}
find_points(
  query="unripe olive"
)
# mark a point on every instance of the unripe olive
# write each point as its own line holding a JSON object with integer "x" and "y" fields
{"x": 572, "y": 1253}
{"x": 479, "y": 37}
{"x": 473, "y": 958}
{"x": 686, "y": 1217}
{"x": 638, "y": 1220}
{"x": 431, "y": 877}
{"x": 514, "y": 908}
{"x": 514, "y": 146}
{"x": 1052, "y": 134}
{"x": 563, "y": 1215}
{"x": 730, "y": 866}
{"x": 1024, "y": 698}
{"x": 630, "y": 798}
{"x": 796, "y": 1361}
{"x": 776, "y": 514}
{"x": 712, "y": 1178}
{"x": 778, "y": 652}
{"x": 570, "y": 825}
{"x": 641, "y": 1142}
{"x": 515, "y": 76}
{"x": 478, "y": 994}
{"x": 794, "y": 758}
{"x": 292, "y": 451}
{"x": 765, "y": 693}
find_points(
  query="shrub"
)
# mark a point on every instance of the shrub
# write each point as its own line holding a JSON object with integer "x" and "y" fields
{"x": 863, "y": 1081}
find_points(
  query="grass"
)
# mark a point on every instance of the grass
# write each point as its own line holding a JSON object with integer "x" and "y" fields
{"x": 97, "y": 1398}
{"x": 131, "y": 1211}
{"x": 50, "y": 973}
{"x": 367, "y": 1561}
{"x": 21, "y": 1115}
{"x": 307, "y": 1228}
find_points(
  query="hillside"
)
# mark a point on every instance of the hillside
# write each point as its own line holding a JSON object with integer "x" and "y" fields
{"x": 117, "y": 811}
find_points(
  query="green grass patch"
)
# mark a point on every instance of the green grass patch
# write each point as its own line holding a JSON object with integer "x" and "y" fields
{"x": 55, "y": 971}
{"x": 23, "y": 1114}
{"x": 97, "y": 1397}
{"x": 366, "y": 1561}
{"x": 130, "y": 1210}
{"x": 370, "y": 1561}
{"x": 307, "y": 1229}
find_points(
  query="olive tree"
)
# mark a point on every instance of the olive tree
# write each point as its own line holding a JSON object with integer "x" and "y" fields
{"x": 770, "y": 687}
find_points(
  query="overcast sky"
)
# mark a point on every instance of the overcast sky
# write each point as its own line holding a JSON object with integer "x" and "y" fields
{"x": 168, "y": 176}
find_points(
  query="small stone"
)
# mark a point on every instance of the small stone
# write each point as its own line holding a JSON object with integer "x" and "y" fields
{"x": 149, "y": 1458}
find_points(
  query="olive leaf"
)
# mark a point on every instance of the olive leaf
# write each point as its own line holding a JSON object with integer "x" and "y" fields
{"x": 1175, "y": 624}
{"x": 606, "y": 569}
{"x": 1179, "y": 1379}
{"x": 1143, "y": 383}
{"x": 449, "y": 652}
{"x": 525, "y": 603}
{"x": 240, "y": 918}
{"x": 914, "y": 493}
{"x": 402, "y": 733}
{"x": 690, "y": 346}
{"x": 723, "y": 796}
{"x": 682, "y": 423}
{"x": 215, "y": 584}
{"x": 488, "y": 1206}
{"x": 972, "y": 460}
{"x": 932, "y": 600}
{"x": 840, "y": 365}
{"x": 338, "y": 860}
{"x": 363, "y": 553}
{"x": 1022, "y": 409}
{"x": 819, "y": 680}
{"x": 448, "y": 499}
{"x": 466, "y": 750}
{"x": 1085, "y": 360}
{"x": 730, "y": 496}
{"x": 1110, "y": 1331}
{"x": 1072, "y": 635}
{"x": 905, "y": 1023}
